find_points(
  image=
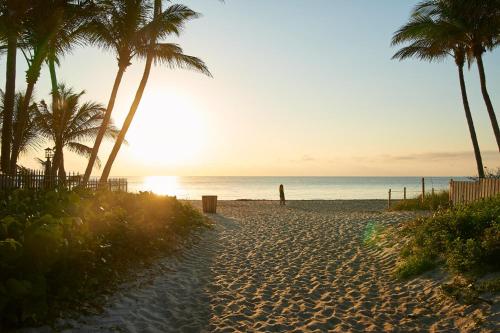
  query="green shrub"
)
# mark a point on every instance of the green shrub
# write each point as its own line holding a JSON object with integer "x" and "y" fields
{"x": 59, "y": 249}
{"x": 466, "y": 238}
{"x": 414, "y": 265}
{"x": 438, "y": 200}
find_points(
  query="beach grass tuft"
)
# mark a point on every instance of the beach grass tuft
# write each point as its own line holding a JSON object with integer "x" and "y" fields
{"x": 438, "y": 200}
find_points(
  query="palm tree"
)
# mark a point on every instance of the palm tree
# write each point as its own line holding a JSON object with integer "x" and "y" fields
{"x": 69, "y": 124}
{"x": 163, "y": 24}
{"x": 50, "y": 25}
{"x": 477, "y": 22}
{"x": 433, "y": 41}
{"x": 31, "y": 139}
{"x": 77, "y": 14}
{"x": 12, "y": 16}
{"x": 119, "y": 27}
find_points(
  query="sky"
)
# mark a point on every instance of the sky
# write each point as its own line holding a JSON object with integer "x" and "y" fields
{"x": 299, "y": 88}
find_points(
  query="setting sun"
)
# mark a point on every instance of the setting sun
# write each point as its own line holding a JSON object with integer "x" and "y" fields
{"x": 169, "y": 129}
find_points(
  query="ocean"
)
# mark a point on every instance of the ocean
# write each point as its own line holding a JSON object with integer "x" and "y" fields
{"x": 296, "y": 188}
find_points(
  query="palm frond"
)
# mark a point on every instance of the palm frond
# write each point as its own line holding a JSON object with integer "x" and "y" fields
{"x": 172, "y": 56}
{"x": 82, "y": 150}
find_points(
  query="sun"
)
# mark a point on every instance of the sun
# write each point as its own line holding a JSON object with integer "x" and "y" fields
{"x": 168, "y": 129}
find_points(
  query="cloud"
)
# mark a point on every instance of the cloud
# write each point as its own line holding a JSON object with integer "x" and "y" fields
{"x": 304, "y": 159}
{"x": 430, "y": 156}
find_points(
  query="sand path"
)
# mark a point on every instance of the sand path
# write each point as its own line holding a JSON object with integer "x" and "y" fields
{"x": 265, "y": 268}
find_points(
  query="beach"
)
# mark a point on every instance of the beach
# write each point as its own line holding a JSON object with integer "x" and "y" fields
{"x": 311, "y": 266}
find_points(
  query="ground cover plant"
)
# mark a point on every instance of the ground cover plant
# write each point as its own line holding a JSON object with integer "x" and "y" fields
{"x": 60, "y": 249}
{"x": 465, "y": 239}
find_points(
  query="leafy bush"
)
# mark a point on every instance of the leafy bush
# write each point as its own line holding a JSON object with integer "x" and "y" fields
{"x": 431, "y": 201}
{"x": 465, "y": 238}
{"x": 59, "y": 248}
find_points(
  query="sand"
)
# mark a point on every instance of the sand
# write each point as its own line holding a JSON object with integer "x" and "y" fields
{"x": 312, "y": 266}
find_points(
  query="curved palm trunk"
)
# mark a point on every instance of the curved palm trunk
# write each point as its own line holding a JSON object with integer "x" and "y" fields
{"x": 487, "y": 100}
{"x": 134, "y": 106}
{"x": 21, "y": 126}
{"x": 53, "y": 80}
{"x": 104, "y": 125}
{"x": 10, "y": 95}
{"x": 470, "y": 123}
{"x": 128, "y": 121}
{"x": 32, "y": 75}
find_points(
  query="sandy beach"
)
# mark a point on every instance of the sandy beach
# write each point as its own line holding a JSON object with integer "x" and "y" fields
{"x": 312, "y": 266}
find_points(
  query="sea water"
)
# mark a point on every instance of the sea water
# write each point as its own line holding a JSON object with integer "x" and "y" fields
{"x": 296, "y": 188}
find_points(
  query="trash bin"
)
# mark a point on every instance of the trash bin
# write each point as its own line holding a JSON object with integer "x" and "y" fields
{"x": 209, "y": 204}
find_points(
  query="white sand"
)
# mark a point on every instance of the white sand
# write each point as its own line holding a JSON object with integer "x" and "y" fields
{"x": 300, "y": 268}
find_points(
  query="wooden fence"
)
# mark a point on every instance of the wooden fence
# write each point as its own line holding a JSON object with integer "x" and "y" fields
{"x": 470, "y": 191}
{"x": 37, "y": 180}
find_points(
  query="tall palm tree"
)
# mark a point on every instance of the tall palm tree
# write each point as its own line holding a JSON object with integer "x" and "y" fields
{"x": 70, "y": 123}
{"x": 77, "y": 14}
{"x": 31, "y": 139}
{"x": 433, "y": 41}
{"x": 119, "y": 28}
{"x": 163, "y": 24}
{"x": 49, "y": 26}
{"x": 12, "y": 16}
{"x": 477, "y": 22}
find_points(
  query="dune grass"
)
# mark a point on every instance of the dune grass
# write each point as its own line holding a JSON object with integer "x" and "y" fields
{"x": 465, "y": 239}
{"x": 61, "y": 249}
{"x": 438, "y": 200}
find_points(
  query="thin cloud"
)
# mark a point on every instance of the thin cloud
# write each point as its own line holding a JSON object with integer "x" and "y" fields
{"x": 304, "y": 159}
{"x": 431, "y": 156}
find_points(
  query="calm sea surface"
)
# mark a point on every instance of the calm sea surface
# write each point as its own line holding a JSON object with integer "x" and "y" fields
{"x": 296, "y": 188}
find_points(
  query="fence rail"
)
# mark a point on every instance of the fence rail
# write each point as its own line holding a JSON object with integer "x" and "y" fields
{"x": 38, "y": 180}
{"x": 470, "y": 191}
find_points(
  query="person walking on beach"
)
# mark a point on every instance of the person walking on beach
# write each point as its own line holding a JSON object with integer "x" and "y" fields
{"x": 282, "y": 195}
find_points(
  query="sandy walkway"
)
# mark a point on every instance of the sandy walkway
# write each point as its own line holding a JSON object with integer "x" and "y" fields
{"x": 305, "y": 267}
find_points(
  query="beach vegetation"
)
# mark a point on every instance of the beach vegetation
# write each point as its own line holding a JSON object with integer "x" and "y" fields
{"x": 60, "y": 250}
{"x": 432, "y": 201}
{"x": 69, "y": 123}
{"x": 464, "y": 239}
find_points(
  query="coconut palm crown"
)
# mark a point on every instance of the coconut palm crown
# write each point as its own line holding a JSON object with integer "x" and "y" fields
{"x": 433, "y": 40}
{"x": 70, "y": 124}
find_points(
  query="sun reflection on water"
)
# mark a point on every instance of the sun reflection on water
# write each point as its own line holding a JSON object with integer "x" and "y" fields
{"x": 163, "y": 185}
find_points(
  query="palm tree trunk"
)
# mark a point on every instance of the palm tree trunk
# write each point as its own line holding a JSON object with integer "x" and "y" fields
{"x": 56, "y": 159}
{"x": 135, "y": 104}
{"x": 10, "y": 95}
{"x": 470, "y": 123}
{"x": 104, "y": 125}
{"x": 487, "y": 100}
{"x": 53, "y": 80}
{"x": 62, "y": 171}
{"x": 128, "y": 121}
{"x": 22, "y": 119}
{"x": 32, "y": 75}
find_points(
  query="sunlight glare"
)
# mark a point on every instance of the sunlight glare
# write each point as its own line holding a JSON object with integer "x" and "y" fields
{"x": 163, "y": 185}
{"x": 169, "y": 129}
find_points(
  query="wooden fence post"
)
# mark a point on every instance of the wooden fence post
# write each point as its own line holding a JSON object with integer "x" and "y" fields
{"x": 450, "y": 193}
{"x": 404, "y": 194}
{"x": 423, "y": 189}
{"x": 389, "y": 201}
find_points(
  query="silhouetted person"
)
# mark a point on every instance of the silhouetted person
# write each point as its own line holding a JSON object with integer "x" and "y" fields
{"x": 282, "y": 195}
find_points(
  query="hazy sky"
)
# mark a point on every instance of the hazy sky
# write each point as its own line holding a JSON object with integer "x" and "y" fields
{"x": 300, "y": 87}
